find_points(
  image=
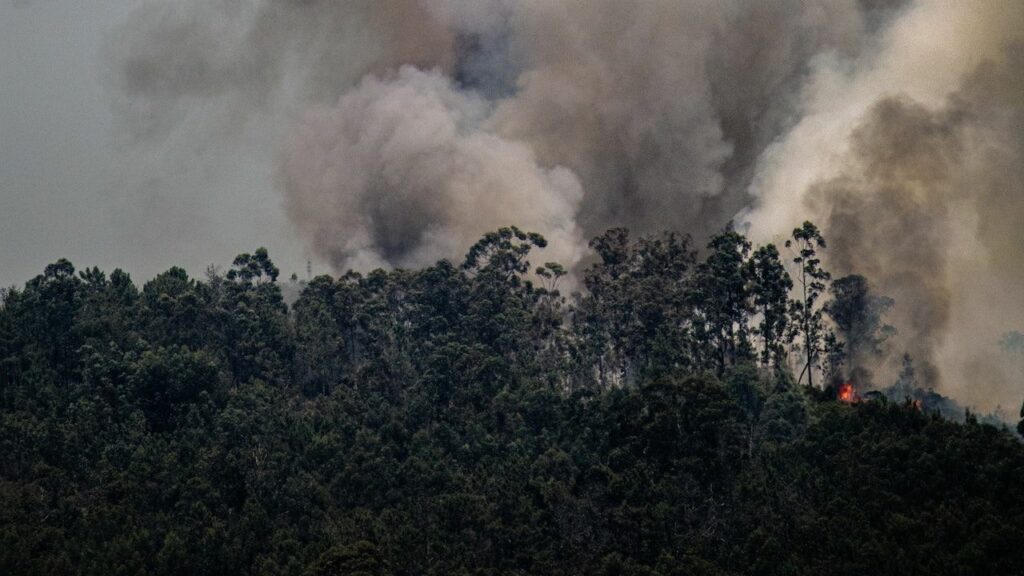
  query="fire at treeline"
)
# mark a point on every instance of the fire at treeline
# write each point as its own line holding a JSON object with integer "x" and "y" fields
{"x": 642, "y": 308}
{"x": 659, "y": 305}
{"x": 395, "y": 134}
{"x": 679, "y": 409}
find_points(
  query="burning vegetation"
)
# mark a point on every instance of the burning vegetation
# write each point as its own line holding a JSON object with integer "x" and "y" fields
{"x": 847, "y": 393}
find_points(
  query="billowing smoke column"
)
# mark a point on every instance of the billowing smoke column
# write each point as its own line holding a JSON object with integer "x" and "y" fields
{"x": 407, "y": 113}
{"x": 889, "y": 216}
{"x": 409, "y": 127}
{"x": 911, "y": 159}
{"x": 399, "y": 172}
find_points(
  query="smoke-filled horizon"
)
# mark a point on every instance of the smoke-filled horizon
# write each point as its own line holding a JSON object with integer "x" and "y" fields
{"x": 398, "y": 131}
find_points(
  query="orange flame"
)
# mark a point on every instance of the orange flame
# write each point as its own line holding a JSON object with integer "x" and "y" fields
{"x": 847, "y": 393}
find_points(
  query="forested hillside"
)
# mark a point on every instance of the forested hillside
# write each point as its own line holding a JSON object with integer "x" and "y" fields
{"x": 678, "y": 415}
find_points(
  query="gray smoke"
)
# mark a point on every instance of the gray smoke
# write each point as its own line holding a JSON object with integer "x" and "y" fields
{"x": 398, "y": 172}
{"x": 250, "y": 56}
{"x": 889, "y": 217}
{"x": 659, "y": 109}
{"x": 404, "y": 129}
{"x": 911, "y": 159}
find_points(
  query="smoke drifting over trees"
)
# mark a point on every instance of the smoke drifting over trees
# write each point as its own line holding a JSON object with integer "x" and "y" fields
{"x": 395, "y": 174}
{"x": 911, "y": 159}
{"x": 407, "y": 128}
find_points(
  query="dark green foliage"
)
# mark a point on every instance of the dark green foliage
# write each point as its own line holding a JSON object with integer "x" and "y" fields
{"x": 167, "y": 381}
{"x": 638, "y": 320}
{"x": 461, "y": 420}
{"x": 858, "y": 318}
{"x": 807, "y": 320}
{"x": 722, "y": 288}
{"x": 770, "y": 285}
{"x": 359, "y": 559}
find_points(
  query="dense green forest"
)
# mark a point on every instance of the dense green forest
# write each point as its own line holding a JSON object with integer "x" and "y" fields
{"x": 685, "y": 412}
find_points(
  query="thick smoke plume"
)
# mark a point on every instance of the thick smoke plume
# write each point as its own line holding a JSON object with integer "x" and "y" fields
{"x": 889, "y": 217}
{"x": 399, "y": 173}
{"x": 911, "y": 159}
{"x": 406, "y": 128}
{"x": 659, "y": 109}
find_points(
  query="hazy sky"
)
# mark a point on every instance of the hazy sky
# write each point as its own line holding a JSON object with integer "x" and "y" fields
{"x": 73, "y": 185}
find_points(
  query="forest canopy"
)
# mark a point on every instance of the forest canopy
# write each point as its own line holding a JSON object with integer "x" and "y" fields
{"x": 685, "y": 410}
